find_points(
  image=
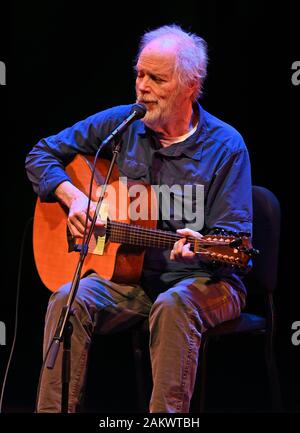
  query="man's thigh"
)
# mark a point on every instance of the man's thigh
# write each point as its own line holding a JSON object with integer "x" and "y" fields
{"x": 215, "y": 301}
{"x": 117, "y": 306}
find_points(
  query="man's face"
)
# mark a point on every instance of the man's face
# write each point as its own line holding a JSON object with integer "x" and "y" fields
{"x": 157, "y": 86}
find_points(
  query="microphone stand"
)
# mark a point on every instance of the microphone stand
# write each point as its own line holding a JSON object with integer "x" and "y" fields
{"x": 64, "y": 327}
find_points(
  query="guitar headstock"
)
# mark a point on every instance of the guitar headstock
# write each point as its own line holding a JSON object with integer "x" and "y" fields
{"x": 230, "y": 250}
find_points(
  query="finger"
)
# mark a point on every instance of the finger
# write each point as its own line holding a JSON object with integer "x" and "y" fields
{"x": 175, "y": 256}
{"x": 178, "y": 243}
{"x": 92, "y": 211}
{"x": 172, "y": 255}
{"x": 77, "y": 223}
{"x": 189, "y": 232}
{"x": 81, "y": 218}
{"x": 99, "y": 223}
{"x": 184, "y": 232}
{"x": 183, "y": 255}
{"x": 177, "y": 248}
{"x": 186, "y": 252}
{"x": 74, "y": 232}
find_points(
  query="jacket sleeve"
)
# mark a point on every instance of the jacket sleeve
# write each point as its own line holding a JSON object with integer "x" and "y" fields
{"x": 229, "y": 202}
{"x": 45, "y": 163}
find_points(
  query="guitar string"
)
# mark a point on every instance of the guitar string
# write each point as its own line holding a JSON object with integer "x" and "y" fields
{"x": 148, "y": 240}
{"x": 155, "y": 236}
{"x": 138, "y": 236}
{"x": 122, "y": 233}
{"x": 156, "y": 233}
{"x": 126, "y": 233}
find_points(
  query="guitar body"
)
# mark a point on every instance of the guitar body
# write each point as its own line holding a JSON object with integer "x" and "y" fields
{"x": 119, "y": 262}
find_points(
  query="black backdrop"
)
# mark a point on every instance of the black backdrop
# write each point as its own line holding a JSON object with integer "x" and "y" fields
{"x": 66, "y": 61}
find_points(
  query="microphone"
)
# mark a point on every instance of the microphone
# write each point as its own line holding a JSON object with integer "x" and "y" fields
{"x": 137, "y": 112}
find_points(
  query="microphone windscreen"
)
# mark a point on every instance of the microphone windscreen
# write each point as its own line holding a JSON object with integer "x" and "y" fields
{"x": 139, "y": 109}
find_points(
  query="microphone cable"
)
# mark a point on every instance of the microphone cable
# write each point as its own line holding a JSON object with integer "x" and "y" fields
{"x": 20, "y": 265}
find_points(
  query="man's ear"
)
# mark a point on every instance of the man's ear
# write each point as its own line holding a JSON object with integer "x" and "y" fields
{"x": 193, "y": 86}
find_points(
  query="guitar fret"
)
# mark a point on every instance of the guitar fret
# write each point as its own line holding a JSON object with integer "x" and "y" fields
{"x": 136, "y": 235}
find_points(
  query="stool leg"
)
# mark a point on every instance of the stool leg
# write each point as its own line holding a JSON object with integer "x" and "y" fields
{"x": 274, "y": 385}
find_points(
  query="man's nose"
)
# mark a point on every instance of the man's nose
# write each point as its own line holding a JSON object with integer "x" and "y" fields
{"x": 143, "y": 84}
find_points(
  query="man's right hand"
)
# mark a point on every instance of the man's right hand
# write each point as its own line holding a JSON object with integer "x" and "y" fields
{"x": 77, "y": 202}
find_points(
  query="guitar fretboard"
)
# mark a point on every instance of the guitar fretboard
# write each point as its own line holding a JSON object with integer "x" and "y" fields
{"x": 144, "y": 237}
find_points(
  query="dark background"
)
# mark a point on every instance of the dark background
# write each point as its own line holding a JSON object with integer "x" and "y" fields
{"x": 66, "y": 61}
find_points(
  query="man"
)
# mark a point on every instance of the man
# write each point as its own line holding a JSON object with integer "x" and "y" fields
{"x": 177, "y": 142}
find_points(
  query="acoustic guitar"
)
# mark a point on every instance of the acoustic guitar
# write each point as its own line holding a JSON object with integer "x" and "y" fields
{"x": 118, "y": 253}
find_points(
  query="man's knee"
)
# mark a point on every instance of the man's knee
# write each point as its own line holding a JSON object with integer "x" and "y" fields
{"x": 60, "y": 297}
{"x": 170, "y": 302}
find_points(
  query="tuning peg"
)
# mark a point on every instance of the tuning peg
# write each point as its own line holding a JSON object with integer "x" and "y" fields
{"x": 245, "y": 234}
{"x": 236, "y": 243}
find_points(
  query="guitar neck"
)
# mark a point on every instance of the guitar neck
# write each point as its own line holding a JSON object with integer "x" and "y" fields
{"x": 144, "y": 237}
{"x": 216, "y": 248}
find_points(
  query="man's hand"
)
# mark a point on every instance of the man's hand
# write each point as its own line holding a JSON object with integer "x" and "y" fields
{"x": 77, "y": 216}
{"x": 181, "y": 250}
{"x": 77, "y": 203}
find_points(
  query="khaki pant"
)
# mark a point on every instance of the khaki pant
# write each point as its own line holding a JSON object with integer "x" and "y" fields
{"x": 177, "y": 319}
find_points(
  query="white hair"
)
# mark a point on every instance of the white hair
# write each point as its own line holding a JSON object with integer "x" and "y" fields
{"x": 191, "y": 56}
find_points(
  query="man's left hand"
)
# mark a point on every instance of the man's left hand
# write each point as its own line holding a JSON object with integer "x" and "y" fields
{"x": 181, "y": 250}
